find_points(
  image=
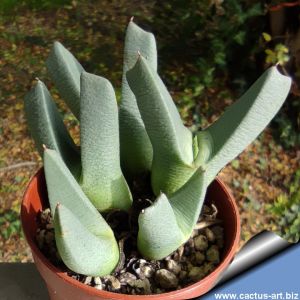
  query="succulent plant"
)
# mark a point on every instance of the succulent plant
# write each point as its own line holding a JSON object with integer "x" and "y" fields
{"x": 145, "y": 134}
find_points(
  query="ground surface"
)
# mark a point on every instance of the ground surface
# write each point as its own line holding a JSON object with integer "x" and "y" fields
{"x": 95, "y": 35}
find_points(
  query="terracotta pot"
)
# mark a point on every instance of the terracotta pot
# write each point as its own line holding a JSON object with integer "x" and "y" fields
{"x": 63, "y": 287}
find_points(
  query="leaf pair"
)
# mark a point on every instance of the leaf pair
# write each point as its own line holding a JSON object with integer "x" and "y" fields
{"x": 177, "y": 163}
{"x": 84, "y": 240}
{"x": 136, "y": 149}
{"x": 175, "y": 158}
{"x": 98, "y": 168}
{"x": 169, "y": 222}
{"x": 92, "y": 100}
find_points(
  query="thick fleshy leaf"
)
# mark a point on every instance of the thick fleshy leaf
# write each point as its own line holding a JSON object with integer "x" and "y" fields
{"x": 242, "y": 122}
{"x": 76, "y": 219}
{"x": 65, "y": 71}
{"x": 172, "y": 142}
{"x": 187, "y": 202}
{"x": 102, "y": 179}
{"x": 81, "y": 250}
{"x": 47, "y": 127}
{"x": 63, "y": 188}
{"x": 136, "y": 149}
{"x": 167, "y": 224}
{"x": 159, "y": 233}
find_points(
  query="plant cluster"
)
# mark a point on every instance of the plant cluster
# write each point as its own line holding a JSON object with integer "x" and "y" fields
{"x": 144, "y": 135}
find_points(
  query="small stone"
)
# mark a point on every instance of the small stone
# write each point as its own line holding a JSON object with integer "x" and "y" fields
{"x": 206, "y": 210}
{"x": 45, "y": 216}
{"x": 146, "y": 271}
{"x": 126, "y": 277}
{"x": 182, "y": 275}
{"x": 196, "y": 273}
{"x": 213, "y": 255}
{"x": 189, "y": 266}
{"x": 49, "y": 226}
{"x": 166, "y": 279}
{"x": 178, "y": 253}
{"x": 201, "y": 243}
{"x": 142, "y": 268}
{"x": 210, "y": 235}
{"x": 49, "y": 237}
{"x": 41, "y": 238}
{"x": 208, "y": 268}
{"x": 97, "y": 280}
{"x": 143, "y": 284}
{"x": 218, "y": 231}
{"x": 187, "y": 250}
{"x": 191, "y": 243}
{"x": 173, "y": 266}
{"x": 199, "y": 258}
{"x": 159, "y": 291}
{"x": 98, "y": 287}
{"x": 113, "y": 282}
{"x": 88, "y": 280}
{"x": 195, "y": 232}
{"x": 219, "y": 235}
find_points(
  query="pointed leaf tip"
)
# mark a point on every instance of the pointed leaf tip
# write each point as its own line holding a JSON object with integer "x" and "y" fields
{"x": 47, "y": 127}
{"x": 244, "y": 120}
{"x": 136, "y": 149}
{"x": 169, "y": 222}
{"x": 98, "y": 259}
{"x": 65, "y": 71}
{"x": 173, "y": 158}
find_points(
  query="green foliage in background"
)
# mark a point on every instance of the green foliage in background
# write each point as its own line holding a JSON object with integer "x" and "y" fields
{"x": 210, "y": 36}
{"x": 286, "y": 210}
{"x": 9, "y": 5}
{"x": 10, "y": 224}
{"x": 287, "y": 124}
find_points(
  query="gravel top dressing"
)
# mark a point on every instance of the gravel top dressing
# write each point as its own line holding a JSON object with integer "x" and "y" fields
{"x": 198, "y": 257}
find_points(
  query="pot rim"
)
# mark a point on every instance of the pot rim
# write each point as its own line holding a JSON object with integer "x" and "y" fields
{"x": 168, "y": 295}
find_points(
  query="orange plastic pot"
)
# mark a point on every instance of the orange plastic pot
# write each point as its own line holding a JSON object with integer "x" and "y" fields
{"x": 63, "y": 287}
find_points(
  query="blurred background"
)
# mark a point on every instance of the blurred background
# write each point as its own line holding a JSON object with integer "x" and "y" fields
{"x": 210, "y": 52}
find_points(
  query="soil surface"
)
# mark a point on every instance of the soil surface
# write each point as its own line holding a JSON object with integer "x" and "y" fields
{"x": 134, "y": 275}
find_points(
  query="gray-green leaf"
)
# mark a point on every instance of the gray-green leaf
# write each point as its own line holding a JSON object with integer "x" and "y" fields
{"x": 102, "y": 179}
{"x": 63, "y": 188}
{"x": 172, "y": 142}
{"x": 136, "y": 149}
{"x": 167, "y": 224}
{"x": 47, "y": 127}
{"x": 81, "y": 250}
{"x": 65, "y": 71}
{"x": 76, "y": 219}
{"x": 242, "y": 122}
